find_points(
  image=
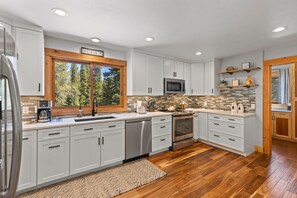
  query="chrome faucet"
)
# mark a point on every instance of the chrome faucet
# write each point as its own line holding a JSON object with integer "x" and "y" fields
{"x": 80, "y": 111}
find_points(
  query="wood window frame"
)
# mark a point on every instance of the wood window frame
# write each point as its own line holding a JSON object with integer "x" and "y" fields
{"x": 267, "y": 113}
{"x": 53, "y": 54}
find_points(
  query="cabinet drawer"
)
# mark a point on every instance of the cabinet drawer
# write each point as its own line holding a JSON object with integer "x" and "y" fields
{"x": 226, "y": 127}
{"x": 93, "y": 128}
{"x": 225, "y": 118}
{"x": 161, "y": 119}
{"x": 161, "y": 142}
{"x": 226, "y": 140}
{"x": 54, "y": 133}
{"x": 162, "y": 129}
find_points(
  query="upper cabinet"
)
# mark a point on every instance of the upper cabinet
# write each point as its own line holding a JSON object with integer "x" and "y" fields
{"x": 145, "y": 74}
{"x": 173, "y": 69}
{"x": 187, "y": 78}
{"x": 197, "y": 79}
{"x": 30, "y": 65}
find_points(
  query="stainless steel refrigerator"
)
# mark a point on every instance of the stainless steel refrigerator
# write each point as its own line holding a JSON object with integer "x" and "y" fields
{"x": 10, "y": 118}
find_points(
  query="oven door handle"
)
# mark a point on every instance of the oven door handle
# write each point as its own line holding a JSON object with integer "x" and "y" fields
{"x": 182, "y": 117}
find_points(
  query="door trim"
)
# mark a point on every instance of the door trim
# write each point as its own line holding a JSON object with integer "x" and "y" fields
{"x": 267, "y": 137}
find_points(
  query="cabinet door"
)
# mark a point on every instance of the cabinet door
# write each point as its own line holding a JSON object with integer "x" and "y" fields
{"x": 140, "y": 74}
{"x": 156, "y": 75}
{"x": 84, "y": 153}
{"x": 179, "y": 69}
{"x": 6, "y": 26}
{"x": 53, "y": 160}
{"x": 27, "y": 177}
{"x": 30, "y": 67}
{"x": 113, "y": 147}
{"x": 197, "y": 78}
{"x": 196, "y": 126}
{"x": 209, "y": 74}
{"x": 187, "y": 78}
{"x": 282, "y": 124}
{"x": 202, "y": 126}
{"x": 169, "y": 68}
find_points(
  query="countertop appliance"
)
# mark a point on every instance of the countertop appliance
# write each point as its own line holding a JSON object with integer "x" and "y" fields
{"x": 10, "y": 115}
{"x": 174, "y": 86}
{"x": 138, "y": 138}
{"x": 183, "y": 129}
{"x": 44, "y": 111}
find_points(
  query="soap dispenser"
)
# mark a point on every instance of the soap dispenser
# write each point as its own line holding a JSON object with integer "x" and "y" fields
{"x": 234, "y": 107}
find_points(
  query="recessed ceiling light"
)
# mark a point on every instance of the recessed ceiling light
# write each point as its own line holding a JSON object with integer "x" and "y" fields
{"x": 95, "y": 40}
{"x": 1, "y": 25}
{"x": 279, "y": 29}
{"x": 149, "y": 39}
{"x": 198, "y": 53}
{"x": 59, "y": 11}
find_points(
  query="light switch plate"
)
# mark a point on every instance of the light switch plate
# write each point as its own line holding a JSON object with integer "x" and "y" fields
{"x": 25, "y": 110}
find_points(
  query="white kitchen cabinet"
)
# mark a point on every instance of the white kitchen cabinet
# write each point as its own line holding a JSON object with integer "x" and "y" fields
{"x": 6, "y": 25}
{"x": 196, "y": 126}
{"x": 112, "y": 146}
{"x": 168, "y": 68}
{"x": 173, "y": 69}
{"x": 202, "y": 126}
{"x": 209, "y": 78}
{"x": 161, "y": 133}
{"x": 28, "y": 168}
{"x": 53, "y": 159}
{"x": 30, "y": 64}
{"x": 140, "y": 74}
{"x": 84, "y": 152}
{"x": 156, "y": 80}
{"x": 197, "y": 78}
{"x": 187, "y": 78}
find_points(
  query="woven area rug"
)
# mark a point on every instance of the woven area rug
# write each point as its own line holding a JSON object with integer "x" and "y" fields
{"x": 106, "y": 183}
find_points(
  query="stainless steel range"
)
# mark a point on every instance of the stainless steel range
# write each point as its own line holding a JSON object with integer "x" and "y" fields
{"x": 182, "y": 130}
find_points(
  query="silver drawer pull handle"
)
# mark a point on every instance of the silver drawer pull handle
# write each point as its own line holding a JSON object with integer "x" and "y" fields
{"x": 231, "y": 119}
{"x": 51, "y": 147}
{"x": 98, "y": 140}
{"x": 162, "y": 127}
{"x": 162, "y": 119}
{"x": 216, "y": 135}
{"x": 102, "y": 140}
{"x": 233, "y": 127}
{"x": 111, "y": 126}
{"x": 231, "y": 139}
{"x": 88, "y": 129}
{"x": 162, "y": 140}
{"x": 216, "y": 124}
{"x": 25, "y": 138}
{"x": 53, "y": 134}
{"x": 216, "y": 117}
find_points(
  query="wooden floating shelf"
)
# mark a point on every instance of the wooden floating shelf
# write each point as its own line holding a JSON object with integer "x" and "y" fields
{"x": 240, "y": 70}
{"x": 239, "y": 86}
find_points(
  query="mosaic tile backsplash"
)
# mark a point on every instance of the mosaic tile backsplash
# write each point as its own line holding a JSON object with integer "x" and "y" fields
{"x": 29, "y": 108}
{"x": 223, "y": 102}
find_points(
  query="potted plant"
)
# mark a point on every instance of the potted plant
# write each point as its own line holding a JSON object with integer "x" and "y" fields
{"x": 223, "y": 82}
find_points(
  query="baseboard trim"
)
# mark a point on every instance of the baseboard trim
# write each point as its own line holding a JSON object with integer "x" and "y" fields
{"x": 259, "y": 149}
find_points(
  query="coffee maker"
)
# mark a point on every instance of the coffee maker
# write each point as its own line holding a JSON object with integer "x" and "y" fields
{"x": 44, "y": 111}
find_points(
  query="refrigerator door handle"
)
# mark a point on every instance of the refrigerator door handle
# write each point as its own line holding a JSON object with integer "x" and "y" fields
{"x": 9, "y": 74}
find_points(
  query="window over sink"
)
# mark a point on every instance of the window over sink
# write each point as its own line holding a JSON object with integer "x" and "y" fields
{"x": 74, "y": 80}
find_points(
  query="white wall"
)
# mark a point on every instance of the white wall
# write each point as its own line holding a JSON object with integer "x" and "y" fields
{"x": 287, "y": 49}
{"x": 256, "y": 60}
{"x": 61, "y": 44}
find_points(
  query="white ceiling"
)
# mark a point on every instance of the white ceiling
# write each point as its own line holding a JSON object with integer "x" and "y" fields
{"x": 218, "y": 28}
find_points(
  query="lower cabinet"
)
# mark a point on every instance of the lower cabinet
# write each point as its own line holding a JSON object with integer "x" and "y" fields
{"x": 281, "y": 125}
{"x": 84, "y": 152}
{"x": 161, "y": 133}
{"x": 196, "y": 126}
{"x": 28, "y": 174}
{"x": 202, "y": 126}
{"x": 53, "y": 159}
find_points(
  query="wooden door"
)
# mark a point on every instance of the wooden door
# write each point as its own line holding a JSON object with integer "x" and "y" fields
{"x": 282, "y": 124}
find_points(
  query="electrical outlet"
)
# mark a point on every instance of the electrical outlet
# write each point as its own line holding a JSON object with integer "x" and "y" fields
{"x": 25, "y": 110}
{"x": 205, "y": 103}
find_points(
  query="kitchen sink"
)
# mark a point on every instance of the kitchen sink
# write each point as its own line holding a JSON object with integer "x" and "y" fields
{"x": 94, "y": 118}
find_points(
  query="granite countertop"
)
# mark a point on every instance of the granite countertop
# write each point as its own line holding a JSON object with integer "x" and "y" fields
{"x": 214, "y": 111}
{"x": 64, "y": 122}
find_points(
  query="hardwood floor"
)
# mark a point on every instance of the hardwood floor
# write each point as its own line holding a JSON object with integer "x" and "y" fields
{"x": 284, "y": 148}
{"x": 204, "y": 171}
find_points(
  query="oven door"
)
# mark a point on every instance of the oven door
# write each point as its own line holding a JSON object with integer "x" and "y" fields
{"x": 182, "y": 127}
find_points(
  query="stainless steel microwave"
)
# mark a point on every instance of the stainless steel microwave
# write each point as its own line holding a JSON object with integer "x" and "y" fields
{"x": 174, "y": 86}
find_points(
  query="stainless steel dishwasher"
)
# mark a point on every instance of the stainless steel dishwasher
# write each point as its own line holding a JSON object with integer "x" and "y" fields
{"x": 138, "y": 137}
